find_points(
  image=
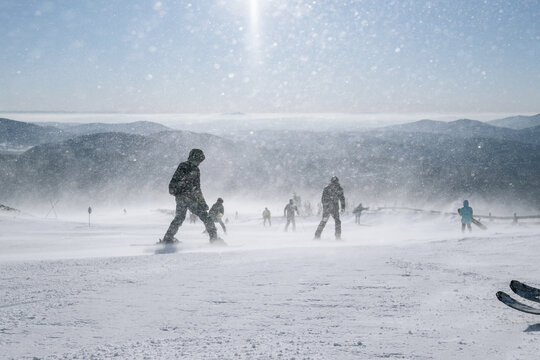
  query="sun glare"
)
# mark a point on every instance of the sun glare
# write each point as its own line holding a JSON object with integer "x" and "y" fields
{"x": 254, "y": 12}
{"x": 255, "y": 30}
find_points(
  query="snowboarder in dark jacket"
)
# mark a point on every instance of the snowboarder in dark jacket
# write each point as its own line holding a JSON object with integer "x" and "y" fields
{"x": 216, "y": 213}
{"x": 185, "y": 185}
{"x": 288, "y": 212}
{"x": 331, "y": 197}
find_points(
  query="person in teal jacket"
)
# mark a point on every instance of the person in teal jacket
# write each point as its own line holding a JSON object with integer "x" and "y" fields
{"x": 466, "y": 213}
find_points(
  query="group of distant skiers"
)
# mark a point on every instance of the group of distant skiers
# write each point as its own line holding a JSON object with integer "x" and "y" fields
{"x": 332, "y": 198}
{"x": 185, "y": 185}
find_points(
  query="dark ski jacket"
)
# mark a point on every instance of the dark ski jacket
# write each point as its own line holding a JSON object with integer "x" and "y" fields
{"x": 186, "y": 181}
{"x": 289, "y": 210}
{"x": 332, "y": 195}
{"x": 216, "y": 209}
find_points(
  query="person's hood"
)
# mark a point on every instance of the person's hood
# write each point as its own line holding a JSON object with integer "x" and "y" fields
{"x": 465, "y": 203}
{"x": 196, "y": 155}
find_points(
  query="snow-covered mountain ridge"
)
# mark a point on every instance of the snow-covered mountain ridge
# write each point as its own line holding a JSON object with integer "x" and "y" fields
{"x": 428, "y": 161}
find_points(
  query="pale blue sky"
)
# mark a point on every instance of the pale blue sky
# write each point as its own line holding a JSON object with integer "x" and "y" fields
{"x": 270, "y": 56}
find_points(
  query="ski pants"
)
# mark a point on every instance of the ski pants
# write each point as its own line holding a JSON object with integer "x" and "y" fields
{"x": 468, "y": 227}
{"x": 183, "y": 203}
{"x": 218, "y": 220}
{"x": 327, "y": 212}
{"x": 290, "y": 220}
{"x": 265, "y": 219}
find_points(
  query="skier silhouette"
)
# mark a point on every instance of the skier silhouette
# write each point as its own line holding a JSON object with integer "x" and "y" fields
{"x": 288, "y": 212}
{"x": 357, "y": 212}
{"x": 185, "y": 185}
{"x": 216, "y": 213}
{"x": 266, "y": 214}
{"x": 331, "y": 197}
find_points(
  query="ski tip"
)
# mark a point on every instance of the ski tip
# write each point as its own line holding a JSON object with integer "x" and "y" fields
{"x": 505, "y": 298}
{"x": 501, "y": 295}
{"x": 514, "y": 284}
{"x": 514, "y": 304}
{"x": 518, "y": 286}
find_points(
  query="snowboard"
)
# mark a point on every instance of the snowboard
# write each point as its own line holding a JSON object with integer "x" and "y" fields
{"x": 479, "y": 224}
{"x": 216, "y": 243}
{"x": 174, "y": 242}
{"x": 525, "y": 291}
{"x": 513, "y": 303}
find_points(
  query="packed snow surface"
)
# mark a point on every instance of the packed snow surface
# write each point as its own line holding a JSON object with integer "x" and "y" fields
{"x": 400, "y": 286}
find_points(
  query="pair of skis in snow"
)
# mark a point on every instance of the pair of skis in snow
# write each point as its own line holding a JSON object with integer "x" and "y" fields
{"x": 526, "y": 292}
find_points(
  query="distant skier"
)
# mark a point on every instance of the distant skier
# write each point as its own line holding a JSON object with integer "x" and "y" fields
{"x": 185, "y": 185}
{"x": 192, "y": 218}
{"x": 466, "y": 213}
{"x": 331, "y": 197}
{"x": 266, "y": 214}
{"x": 216, "y": 213}
{"x": 289, "y": 212}
{"x": 358, "y": 212}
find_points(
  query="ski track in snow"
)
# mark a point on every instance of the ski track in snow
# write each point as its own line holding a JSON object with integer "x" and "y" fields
{"x": 387, "y": 292}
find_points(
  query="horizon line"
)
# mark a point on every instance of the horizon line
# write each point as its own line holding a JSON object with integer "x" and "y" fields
{"x": 239, "y": 113}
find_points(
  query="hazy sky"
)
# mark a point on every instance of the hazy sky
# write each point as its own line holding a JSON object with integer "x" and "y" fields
{"x": 270, "y": 56}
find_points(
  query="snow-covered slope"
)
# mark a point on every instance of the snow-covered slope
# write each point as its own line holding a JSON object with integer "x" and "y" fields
{"x": 402, "y": 286}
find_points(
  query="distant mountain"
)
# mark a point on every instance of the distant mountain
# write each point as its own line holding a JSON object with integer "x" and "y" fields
{"x": 19, "y": 135}
{"x": 517, "y": 122}
{"x": 393, "y": 165}
{"x": 530, "y": 135}
{"x": 137, "y": 128}
{"x": 422, "y": 161}
{"x": 465, "y": 128}
{"x": 108, "y": 166}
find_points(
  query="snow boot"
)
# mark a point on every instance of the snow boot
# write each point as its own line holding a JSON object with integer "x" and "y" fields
{"x": 168, "y": 241}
